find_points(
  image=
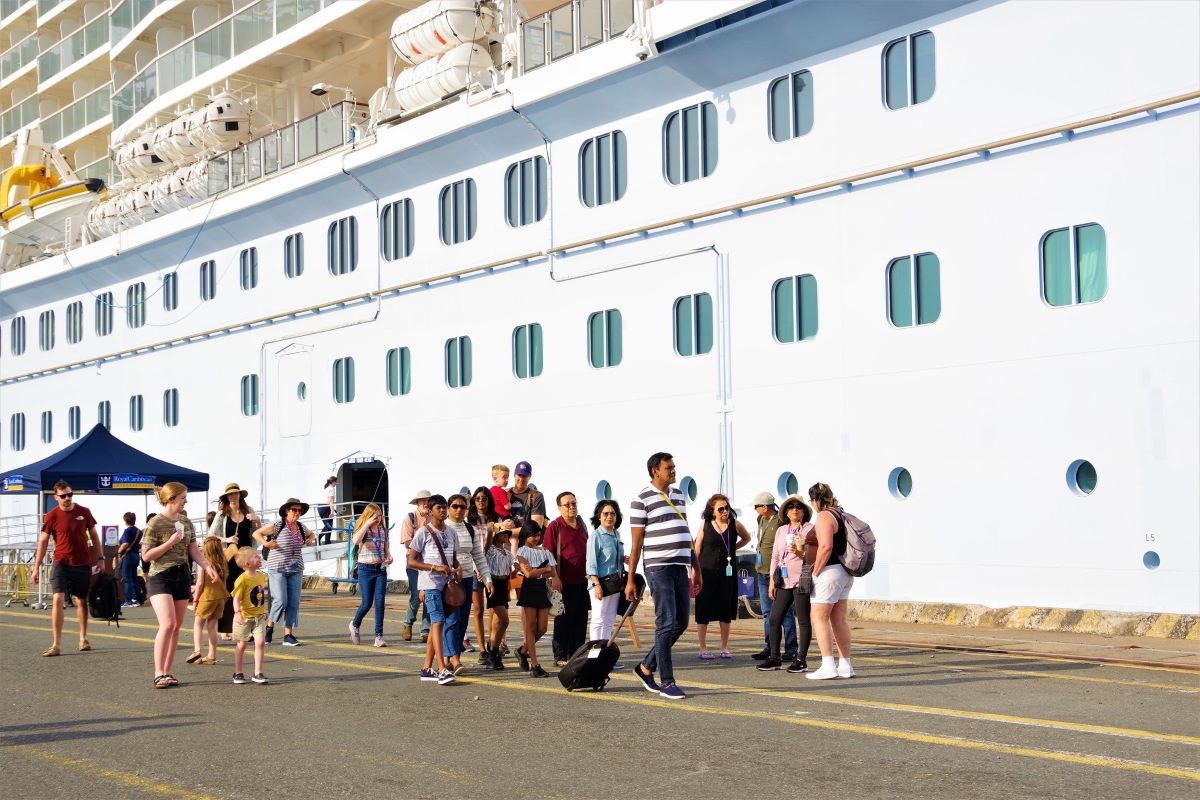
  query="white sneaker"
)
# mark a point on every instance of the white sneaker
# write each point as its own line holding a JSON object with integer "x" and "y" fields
{"x": 826, "y": 672}
{"x": 445, "y": 677}
{"x": 845, "y": 672}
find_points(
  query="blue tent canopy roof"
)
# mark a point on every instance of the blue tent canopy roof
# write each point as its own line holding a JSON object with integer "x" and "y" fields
{"x": 100, "y": 462}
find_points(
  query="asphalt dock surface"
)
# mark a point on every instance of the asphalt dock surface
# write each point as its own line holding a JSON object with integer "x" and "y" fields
{"x": 935, "y": 712}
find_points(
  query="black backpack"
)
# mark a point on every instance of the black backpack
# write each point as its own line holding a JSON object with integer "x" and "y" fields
{"x": 103, "y": 600}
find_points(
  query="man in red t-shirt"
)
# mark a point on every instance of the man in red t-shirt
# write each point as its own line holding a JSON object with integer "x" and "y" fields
{"x": 77, "y": 549}
{"x": 566, "y": 537}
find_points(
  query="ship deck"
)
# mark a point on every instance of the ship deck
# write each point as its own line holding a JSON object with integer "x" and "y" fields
{"x": 936, "y": 712}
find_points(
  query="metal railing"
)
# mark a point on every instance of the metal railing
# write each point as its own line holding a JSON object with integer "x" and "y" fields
{"x": 19, "y": 55}
{"x": 73, "y": 48}
{"x": 10, "y": 6}
{"x": 81, "y": 113}
{"x": 47, "y": 5}
{"x": 571, "y": 28}
{"x": 312, "y": 136}
{"x": 19, "y": 531}
{"x": 126, "y": 15}
{"x": 22, "y": 114}
{"x": 231, "y": 36}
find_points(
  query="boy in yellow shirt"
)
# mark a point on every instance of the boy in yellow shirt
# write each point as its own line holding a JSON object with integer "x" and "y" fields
{"x": 249, "y": 614}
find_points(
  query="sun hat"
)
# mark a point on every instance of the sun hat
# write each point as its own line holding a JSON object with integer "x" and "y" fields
{"x": 523, "y": 468}
{"x": 764, "y": 499}
{"x": 421, "y": 495}
{"x": 230, "y": 488}
{"x": 291, "y": 501}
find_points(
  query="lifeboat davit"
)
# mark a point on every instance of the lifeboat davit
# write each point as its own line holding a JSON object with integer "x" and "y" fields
{"x": 440, "y": 26}
{"x": 442, "y": 75}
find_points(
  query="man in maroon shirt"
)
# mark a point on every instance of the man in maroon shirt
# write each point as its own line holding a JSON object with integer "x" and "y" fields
{"x": 77, "y": 549}
{"x": 569, "y": 533}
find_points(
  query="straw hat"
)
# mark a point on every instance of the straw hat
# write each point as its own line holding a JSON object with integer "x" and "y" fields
{"x": 230, "y": 488}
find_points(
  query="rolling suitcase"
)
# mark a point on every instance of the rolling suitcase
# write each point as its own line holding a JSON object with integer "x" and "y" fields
{"x": 590, "y": 665}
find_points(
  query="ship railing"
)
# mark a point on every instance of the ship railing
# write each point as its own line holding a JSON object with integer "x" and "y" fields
{"x": 19, "y": 55}
{"x": 19, "y": 116}
{"x": 315, "y": 135}
{"x": 81, "y": 113}
{"x": 73, "y": 48}
{"x": 8, "y": 7}
{"x": 572, "y": 28}
{"x": 126, "y": 15}
{"x": 19, "y": 532}
{"x": 232, "y": 35}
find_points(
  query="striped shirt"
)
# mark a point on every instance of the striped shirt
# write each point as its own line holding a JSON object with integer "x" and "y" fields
{"x": 470, "y": 550}
{"x": 424, "y": 543}
{"x": 668, "y": 539}
{"x": 287, "y": 556}
{"x": 499, "y": 562}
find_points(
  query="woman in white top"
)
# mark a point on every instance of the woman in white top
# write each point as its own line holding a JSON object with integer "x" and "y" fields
{"x": 325, "y": 511}
{"x": 470, "y": 549}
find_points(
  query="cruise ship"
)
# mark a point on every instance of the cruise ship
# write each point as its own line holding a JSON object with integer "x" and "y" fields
{"x": 941, "y": 255}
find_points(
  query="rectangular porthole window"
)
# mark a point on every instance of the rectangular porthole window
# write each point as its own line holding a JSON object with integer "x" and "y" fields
{"x": 690, "y": 143}
{"x": 47, "y": 427}
{"x": 75, "y": 322}
{"x": 396, "y": 230}
{"x": 135, "y": 305}
{"x": 527, "y": 350}
{"x": 293, "y": 255}
{"x": 16, "y": 338}
{"x": 104, "y": 414}
{"x": 74, "y": 423}
{"x": 603, "y": 169}
{"x": 16, "y": 431}
{"x": 790, "y": 101}
{"x": 250, "y": 395}
{"x": 46, "y": 330}
{"x": 171, "y": 408}
{"x": 693, "y": 324}
{"x": 456, "y": 206}
{"x": 604, "y": 338}
{"x": 1074, "y": 265}
{"x": 170, "y": 291}
{"x": 908, "y": 70}
{"x": 208, "y": 280}
{"x": 399, "y": 371}
{"x": 104, "y": 314}
{"x": 794, "y": 309}
{"x": 248, "y": 268}
{"x": 135, "y": 412}
{"x": 343, "y": 380}
{"x": 914, "y": 290}
{"x": 525, "y": 192}
{"x": 458, "y": 362}
{"x": 342, "y": 241}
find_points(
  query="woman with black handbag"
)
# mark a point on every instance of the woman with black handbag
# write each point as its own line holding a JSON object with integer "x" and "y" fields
{"x": 790, "y": 586}
{"x": 605, "y": 568}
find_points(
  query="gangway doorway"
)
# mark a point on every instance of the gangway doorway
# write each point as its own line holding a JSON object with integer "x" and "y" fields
{"x": 360, "y": 481}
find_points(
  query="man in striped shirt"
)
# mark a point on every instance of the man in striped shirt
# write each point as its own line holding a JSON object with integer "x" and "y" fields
{"x": 658, "y": 520}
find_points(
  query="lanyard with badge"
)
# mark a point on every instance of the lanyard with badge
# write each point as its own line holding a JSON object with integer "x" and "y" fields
{"x": 728, "y": 553}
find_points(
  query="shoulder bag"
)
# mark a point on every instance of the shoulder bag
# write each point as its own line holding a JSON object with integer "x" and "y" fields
{"x": 555, "y": 596}
{"x": 453, "y": 593}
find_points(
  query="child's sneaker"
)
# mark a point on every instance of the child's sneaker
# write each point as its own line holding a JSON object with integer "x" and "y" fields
{"x": 445, "y": 678}
{"x": 355, "y": 637}
{"x": 428, "y": 675}
{"x": 239, "y": 677}
{"x": 379, "y": 642}
{"x": 260, "y": 678}
{"x": 290, "y": 641}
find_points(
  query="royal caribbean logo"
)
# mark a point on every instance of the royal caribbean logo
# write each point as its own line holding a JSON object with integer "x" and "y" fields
{"x": 14, "y": 483}
{"x": 125, "y": 480}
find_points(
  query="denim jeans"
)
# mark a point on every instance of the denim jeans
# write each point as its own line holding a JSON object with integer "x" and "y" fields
{"x": 672, "y": 607}
{"x": 129, "y": 568}
{"x": 433, "y": 606}
{"x": 285, "y": 597}
{"x": 789, "y": 622}
{"x": 456, "y": 623}
{"x": 410, "y": 616}
{"x": 372, "y": 586}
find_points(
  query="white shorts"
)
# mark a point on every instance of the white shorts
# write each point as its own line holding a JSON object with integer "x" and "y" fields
{"x": 832, "y": 585}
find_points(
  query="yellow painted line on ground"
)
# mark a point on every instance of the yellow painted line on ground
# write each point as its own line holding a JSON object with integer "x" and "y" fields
{"x": 696, "y": 708}
{"x": 1016, "y": 656}
{"x": 93, "y": 770}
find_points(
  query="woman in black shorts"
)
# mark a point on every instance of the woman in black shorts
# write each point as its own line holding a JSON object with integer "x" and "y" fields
{"x": 538, "y": 566}
{"x": 500, "y": 564}
{"x": 167, "y": 542}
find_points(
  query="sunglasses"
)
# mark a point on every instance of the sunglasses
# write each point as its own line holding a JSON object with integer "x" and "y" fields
{"x": 722, "y": 510}
{"x": 457, "y": 505}
{"x": 66, "y": 496}
{"x": 297, "y": 509}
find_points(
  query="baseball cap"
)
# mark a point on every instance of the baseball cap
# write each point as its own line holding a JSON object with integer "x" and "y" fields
{"x": 764, "y": 499}
{"x": 523, "y": 469}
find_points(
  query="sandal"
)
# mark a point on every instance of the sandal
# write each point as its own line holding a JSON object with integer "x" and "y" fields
{"x": 726, "y": 654}
{"x": 52, "y": 650}
{"x": 194, "y": 657}
{"x": 161, "y": 682}
{"x": 705, "y": 655}
{"x": 171, "y": 680}
{"x": 206, "y": 661}
{"x": 84, "y": 646}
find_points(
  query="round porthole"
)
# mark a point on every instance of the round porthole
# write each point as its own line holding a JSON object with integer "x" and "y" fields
{"x": 301, "y": 391}
{"x": 688, "y": 487}
{"x": 900, "y": 483}
{"x": 1150, "y": 560}
{"x": 1081, "y": 477}
{"x": 603, "y": 491}
{"x": 787, "y": 485}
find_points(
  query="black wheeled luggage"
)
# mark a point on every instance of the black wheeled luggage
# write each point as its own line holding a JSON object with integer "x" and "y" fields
{"x": 589, "y": 667}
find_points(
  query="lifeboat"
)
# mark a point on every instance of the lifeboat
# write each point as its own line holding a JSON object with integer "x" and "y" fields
{"x": 442, "y": 75}
{"x": 439, "y": 26}
{"x": 219, "y": 125}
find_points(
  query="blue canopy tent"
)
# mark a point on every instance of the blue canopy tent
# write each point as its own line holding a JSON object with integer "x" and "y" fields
{"x": 100, "y": 463}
